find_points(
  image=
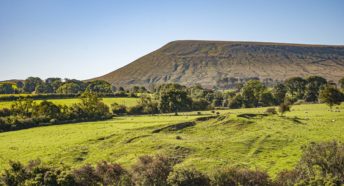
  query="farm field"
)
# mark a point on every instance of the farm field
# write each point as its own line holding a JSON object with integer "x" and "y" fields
{"x": 242, "y": 137}
{"x": 125, "y": 101}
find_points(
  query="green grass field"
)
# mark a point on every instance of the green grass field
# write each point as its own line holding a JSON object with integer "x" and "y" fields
{"x": 125, "y": 101}
{"x": 271, "y": 143}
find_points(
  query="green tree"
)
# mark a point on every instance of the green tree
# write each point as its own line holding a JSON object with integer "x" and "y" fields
{"x": 54, "y": 83}
{"x": 174, "y": 101}
{"x": 31, "y": 83}
{"x": 279, "y": 91}
{"x": 100, "y": 87}
{"x": 251, "y": 93}
{"x": 6, "y": 88}
{"x": 331, "y": 96}
{"x": 69, "y": 88}
{"x": 43, "y": 89}
{"x": 312, "y": 88}
{"x": 296, "y": 86}
{"x": 23, "y": 108}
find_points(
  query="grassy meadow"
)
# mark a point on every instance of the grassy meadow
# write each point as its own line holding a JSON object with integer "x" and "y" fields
{"x": 242, "y": 137}
{"x": 125, "y": 101}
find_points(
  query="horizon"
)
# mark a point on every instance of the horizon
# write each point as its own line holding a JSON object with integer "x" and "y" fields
{"x": 53, "y": 39}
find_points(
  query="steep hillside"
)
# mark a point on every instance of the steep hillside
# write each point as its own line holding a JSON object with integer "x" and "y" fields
{"x": 207, "y": 62}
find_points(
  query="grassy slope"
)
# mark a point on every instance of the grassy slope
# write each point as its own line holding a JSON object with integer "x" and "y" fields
{"x": 126, "y": 101}
{"x": 272, "y": 142}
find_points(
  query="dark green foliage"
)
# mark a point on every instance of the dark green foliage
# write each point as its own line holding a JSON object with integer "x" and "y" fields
{"x": 31, "y": 83}
{"x": 69, "y": 88}
{"x": 186, "y": 177}
{"x": 118, "y": 109}
{"x": 266, "y": 99}
{"x": 48, "y": 109}
{"x": 152, "y": 170}
{"x": 55, "y": 83}
{"x": 296, "y": 86}
{"x": 251, "y": 93}
{"x": 23, "y": 108}
{"x": 279, "y": 91}
{"x": 236, "y": 102}
{"x": 6, "y": 88}
{"x": 200, "y": 104}
{"x": 331, "y": 96}
{"x": 44, "y": 88}
{"x": 174, "y": 101}
{"x": 99, "y": 86}
{"x": 238, "y": 176}
{"x": 312, "y": 88}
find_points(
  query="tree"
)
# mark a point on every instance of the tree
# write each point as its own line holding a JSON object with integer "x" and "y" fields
{"x": 43, "y": 88}
{"x": 331, "y": 96}
{"x": 31, "y": 83}
{"x": 251, "y": 93}
{"x": 312, "y": 88}
{"x": 266, "y": 99}
{"x": 92, "y": 106}
{"x": 69, "y": 88}
{"x": 279, "y": 91}
{"x": 6, "y": 88}
{"x": 174, "y": 101}
{"x": 54, "y": 83}
{"x": 296, "y": 87}
{"x": 99, "y": 86}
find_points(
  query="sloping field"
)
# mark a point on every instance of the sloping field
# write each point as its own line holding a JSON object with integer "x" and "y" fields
{"x": 244, "y": 137}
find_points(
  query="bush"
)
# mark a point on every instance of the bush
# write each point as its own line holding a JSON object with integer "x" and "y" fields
{"x": 5, "y": 112}
{"x": 271, "y": 111}
{"x": 112, "y": 174}
{"x": 118, "y": 109}
{"x": 188, "y": 178}
{"x": 151, "y": 170}
{"x": 136, "y": 110}
{"x": 86, "y": 175}
{"x": 238, "y": 176}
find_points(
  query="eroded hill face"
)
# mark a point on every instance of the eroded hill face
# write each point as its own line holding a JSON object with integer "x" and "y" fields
{"x": 207, "y": 62}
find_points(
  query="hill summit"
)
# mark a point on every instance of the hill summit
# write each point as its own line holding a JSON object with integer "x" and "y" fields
{"x": 211, "y": 62}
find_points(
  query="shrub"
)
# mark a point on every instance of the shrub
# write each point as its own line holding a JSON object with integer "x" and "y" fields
{"x": 118, "y": 109}
{"x": 136, "y": 110}
{"x": 151, "y": 170}
{"x": 5, "y": 112}
{"x": 283, "y": 107}
{"x": 86, "y": 175}
{"x": 112, "y": 174}
{"x": 188, "y": 178}
{"x": 271, "y": 111}
{"x": 238, "y": 176}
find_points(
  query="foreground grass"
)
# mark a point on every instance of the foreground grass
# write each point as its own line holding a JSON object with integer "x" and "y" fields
{"x": 125, "y": 101}
{"x": 270, "y": 143}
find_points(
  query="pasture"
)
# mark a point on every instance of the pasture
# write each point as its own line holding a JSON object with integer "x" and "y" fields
{"x": 125, "y": 101}
{"x": 242, "y": 137}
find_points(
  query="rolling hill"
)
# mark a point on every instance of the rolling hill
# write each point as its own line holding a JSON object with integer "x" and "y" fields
{"x": 208, "y": 62}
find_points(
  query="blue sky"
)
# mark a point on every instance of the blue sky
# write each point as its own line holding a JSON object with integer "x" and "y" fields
{"x": 88, "y": 38}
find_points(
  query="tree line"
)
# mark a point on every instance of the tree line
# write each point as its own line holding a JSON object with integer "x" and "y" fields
{"x": 320, "y": 164}
{"x": 35, "y": 85}
{"x": 25, "y": 113}
{"x": 169, "y": 98}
